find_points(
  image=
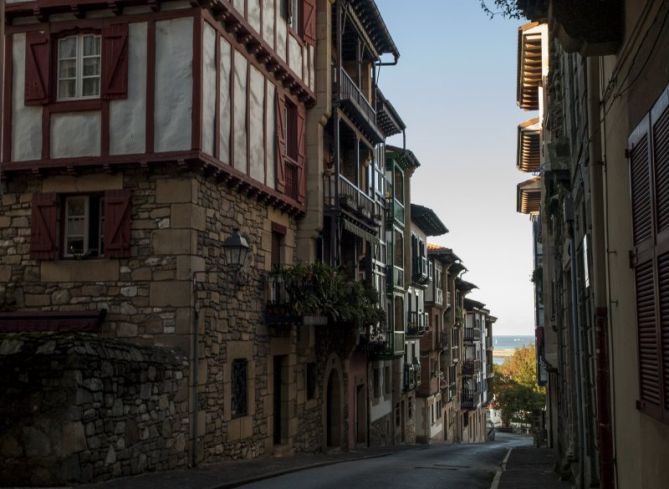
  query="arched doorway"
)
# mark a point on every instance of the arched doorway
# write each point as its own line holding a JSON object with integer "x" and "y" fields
{"x": 333, "y": 410}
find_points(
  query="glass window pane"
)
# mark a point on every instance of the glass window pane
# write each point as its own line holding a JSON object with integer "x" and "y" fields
{"x": 75, "y": 246}
{"x": 67, "y": 48}
{"x": 91, "y": 45}
{"x": 75, "y": 227}
{"x": 91, "y": 87}
{"x": 91, "y": 66}
{"x": 66, "y": 89}
{"x": 68, "y": 68}
{"x": 76, "y": 207}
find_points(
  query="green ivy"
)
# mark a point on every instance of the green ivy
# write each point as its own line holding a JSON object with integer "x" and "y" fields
{"x": 318, "y": 289}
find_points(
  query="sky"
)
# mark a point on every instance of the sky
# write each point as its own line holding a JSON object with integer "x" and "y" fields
{"x": 455, "y": 88}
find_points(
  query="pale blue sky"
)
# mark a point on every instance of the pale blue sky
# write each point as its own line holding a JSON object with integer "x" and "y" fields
{"x": 455, "y": 88}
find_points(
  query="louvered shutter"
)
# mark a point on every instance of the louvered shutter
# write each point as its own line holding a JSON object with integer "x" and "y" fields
{"x": 117, "y": 223}
{"x": 647, "y": 276}
{"x": 115, "y": 61}
{"x": 37, "y": 61}
{"x": 44, "y": 226}
{"x": 280, "y": 142}
{"x": 301, "y": 155}
{"x": 660, "y": 152}
{"x": 309, "y": 21}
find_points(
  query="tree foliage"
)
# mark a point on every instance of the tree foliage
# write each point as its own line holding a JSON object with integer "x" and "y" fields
{"x": 516, "y": 392}
{"x": 505, "y": 8}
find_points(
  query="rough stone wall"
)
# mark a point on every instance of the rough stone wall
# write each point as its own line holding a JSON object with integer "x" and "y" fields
{"x": 77, "y": 407}
{"x": 381, "y": 433}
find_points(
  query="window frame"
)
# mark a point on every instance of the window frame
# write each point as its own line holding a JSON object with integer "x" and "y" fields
{"x": 234, "y": 402}
{"x": 87, "y": 226}
{"x": 79, "y": 66}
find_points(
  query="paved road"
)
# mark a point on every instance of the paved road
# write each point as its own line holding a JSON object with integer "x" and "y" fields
{"x": 441, "y": 466}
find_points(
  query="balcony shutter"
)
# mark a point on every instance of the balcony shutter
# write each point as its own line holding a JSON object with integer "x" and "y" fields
{"x": 115, "y": 61}
{"x": 301, "y": 152}
{"x": 37, "y": 83}
{"x": 44, "y": 232}
{"x": 117, "y": 223}
{"x": 280, "y": 141}
{"x": 309, "y": 21}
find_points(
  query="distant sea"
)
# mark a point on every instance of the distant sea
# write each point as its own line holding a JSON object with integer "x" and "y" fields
{"x": 507, "y": 343}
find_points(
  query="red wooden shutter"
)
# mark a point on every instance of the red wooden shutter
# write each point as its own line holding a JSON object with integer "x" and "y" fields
{"x": 115, "y": 61}
{"x": 280, "y": 141}
{"x": 38, "y": 67}
{"x": 117, "y": 223}
{"x": 44, "y": 232}
{"x": 309, "y": 21}
{"x": 301, "y": 152}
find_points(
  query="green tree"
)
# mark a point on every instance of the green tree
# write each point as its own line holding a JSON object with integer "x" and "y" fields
{"x": 515, "y": 390}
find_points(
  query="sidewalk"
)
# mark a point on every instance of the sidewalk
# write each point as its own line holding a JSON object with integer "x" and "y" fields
{"x": 236, "y": 473}
{"x": 529, "y": 468}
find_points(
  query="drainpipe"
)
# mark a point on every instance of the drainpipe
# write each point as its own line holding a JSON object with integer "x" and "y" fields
{"x": 598, "y": 281}
{"x": 575, "y": 341}
{"x": 195, "y": 377}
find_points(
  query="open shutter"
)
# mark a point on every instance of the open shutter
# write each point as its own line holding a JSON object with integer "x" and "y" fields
{"x": 115, "y": 61}
{"x": 37, "y": 68}
{"x": 660, "y": 132}
{"x": 301, "y": 152}
{"x": 280, "y": 141}
{"x": 44, "y": 232}
{"x": 117, "y": 223}
{"x": 309, "y": 21}
{"x": 645, "y": 276}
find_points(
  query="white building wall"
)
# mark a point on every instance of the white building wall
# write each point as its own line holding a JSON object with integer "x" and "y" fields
{"x": 26, "y": 120}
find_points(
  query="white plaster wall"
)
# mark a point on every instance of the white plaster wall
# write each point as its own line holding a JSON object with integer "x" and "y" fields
{"x": 268, "y": 22}
{"x": 240, "y": 111}
{"x": 295, "y": 56}
{"x": 127, "y": 117}
{"x": 26, "y": 121}
{"x": 256, "y": 146}
{"x": 174, "y": 85}
{"x": 270, "y": 129}
{"x": 281, "y": 33}
{"x": 310, "y": 56}
{"x": 239, "y": 6}
{"x": 224, "y": 136}
{"x": 253, "y": 7}
{"x": 208, "y": 88}
{"x": 75, "y": 134}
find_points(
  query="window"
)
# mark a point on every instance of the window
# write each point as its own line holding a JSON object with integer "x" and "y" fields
{"x": 399, "y": 186}
{"x": 83, "y": 226}
{"x": 311, "y": 380}
{"x": 291, "y": 12}
{"x": 239, "y": 400}
{"x": 79, "y": 67}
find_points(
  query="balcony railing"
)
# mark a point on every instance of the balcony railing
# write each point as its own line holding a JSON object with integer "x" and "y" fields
{"x": 416, "y": 323}
{"x": 420, "y": 269}
{"x": 353, "y": 97}
{"x": 471, "y": 367}
{"x": 351, "y": 197}
{"x": 471, "y": 335}
{"x": 277, "y": 308}
{"x": 469, "y": 398}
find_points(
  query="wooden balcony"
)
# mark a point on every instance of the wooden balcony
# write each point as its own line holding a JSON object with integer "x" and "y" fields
{"x": 416, "y": 323}
{"x": 358, "y": 108}
{"x": 387, "y": 118}
{"x": 279, "y": 314}
{"x": 470, "y": 398}
{"x": 352, "y": 199}
{"x": 471, "y": 335}
{"x": 471, "y": 367}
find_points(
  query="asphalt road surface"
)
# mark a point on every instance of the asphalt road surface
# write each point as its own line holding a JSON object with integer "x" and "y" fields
{"x": 438, "y": 466}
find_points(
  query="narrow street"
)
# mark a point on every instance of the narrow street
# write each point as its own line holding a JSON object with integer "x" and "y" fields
{"x": 438, "y": 466}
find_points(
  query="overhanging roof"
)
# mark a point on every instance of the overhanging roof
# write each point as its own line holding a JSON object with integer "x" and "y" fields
{"x": 472, "y": 304}
{"x": 387, "y": 118}
{"x": 464, "y": 285}
{"x": 528, "y": 196}
{"x": 530, "y": 64}
{"x": 404, "y": 157}
{"x": 528, "y": 158}
{"x": 426, "y": 219}
{"x": 375, "y": 27}
{"x": 443, "y": 254}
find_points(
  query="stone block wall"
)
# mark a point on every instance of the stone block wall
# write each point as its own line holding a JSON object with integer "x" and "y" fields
{"x": 77, "y": 407}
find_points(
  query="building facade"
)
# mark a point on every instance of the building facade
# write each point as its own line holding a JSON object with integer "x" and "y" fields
{"x": 598, "y": 155}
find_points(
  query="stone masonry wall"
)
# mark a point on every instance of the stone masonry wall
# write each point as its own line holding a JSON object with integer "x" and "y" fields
{"x": 78, "y": 407}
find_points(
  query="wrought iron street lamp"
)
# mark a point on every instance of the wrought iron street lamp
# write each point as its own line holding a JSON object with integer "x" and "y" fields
{"x": 235, "y": 251}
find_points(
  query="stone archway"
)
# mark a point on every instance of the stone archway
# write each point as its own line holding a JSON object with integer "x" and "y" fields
{"x": 333, "y": 415}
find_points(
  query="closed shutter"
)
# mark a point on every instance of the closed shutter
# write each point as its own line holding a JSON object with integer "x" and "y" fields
{"x": 280, "y": 141}
{"x": 301, "y": 155}
{"x": 115, "y": 61}
{"x": 117, "y": 223}
{"x": 309, "y": 21}
{"x": 37, "y": 82}
{"x": 44, "y": 226}
{"x": 649, "y": 175}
